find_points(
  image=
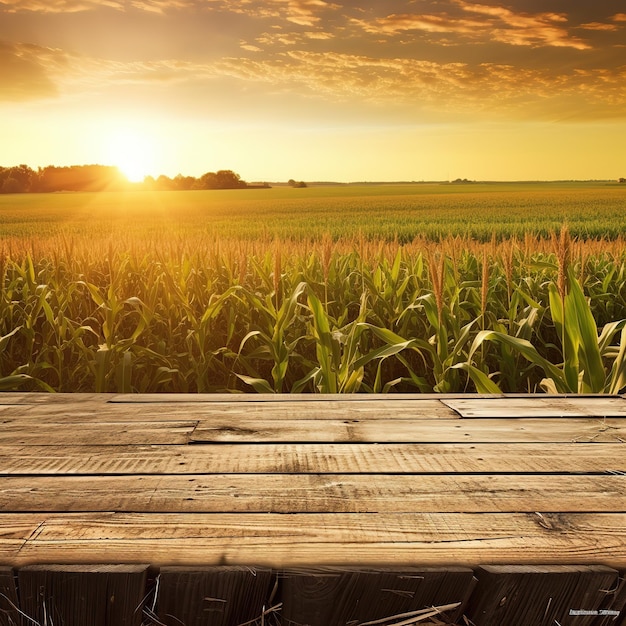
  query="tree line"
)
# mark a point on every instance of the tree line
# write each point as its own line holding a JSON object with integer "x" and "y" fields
{"x": 24, "y": 179}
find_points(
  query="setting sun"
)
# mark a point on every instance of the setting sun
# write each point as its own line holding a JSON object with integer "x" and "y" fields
{"x": 132, "y": 153}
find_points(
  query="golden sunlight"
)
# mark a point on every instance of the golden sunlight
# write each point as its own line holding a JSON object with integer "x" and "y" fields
{"x": 132, "y": 153}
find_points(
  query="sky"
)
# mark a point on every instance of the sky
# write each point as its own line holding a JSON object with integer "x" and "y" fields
{"x": 317, "y": 90}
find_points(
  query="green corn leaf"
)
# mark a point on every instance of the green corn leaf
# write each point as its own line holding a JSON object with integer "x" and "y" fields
{"x": 588, "y": 338}
{"x": 5, "y": 338}
{"x": 124, "y": 370}
{"x": 9, "y": 383}
{"x": 526, "y": 349}
{"x": 617, "y": 376}
{"x": 260, "y": 385}
{"x": 483, "y": 383}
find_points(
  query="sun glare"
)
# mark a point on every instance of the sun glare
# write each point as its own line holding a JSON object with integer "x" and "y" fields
{"x": 132, "y": 153}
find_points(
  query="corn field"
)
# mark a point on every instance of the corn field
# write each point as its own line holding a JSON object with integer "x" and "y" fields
{"x": 212, "y": 314}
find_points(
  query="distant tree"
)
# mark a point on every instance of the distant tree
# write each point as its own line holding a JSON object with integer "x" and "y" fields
{"x": 12, "y": 185}
{"x": 296, "y": 185}
{"x": 223, "y": 179}
{"x": 208, "y": 181}
{"x": 183, "y": 183}
{"x": 79, "y": 178}
{"x": 622, "y": 180}
{"x": 19, "y": 179}
{"x": 227, "y": 179}
{"x": 164, "y": 183}
{"x": 22, "y": 179}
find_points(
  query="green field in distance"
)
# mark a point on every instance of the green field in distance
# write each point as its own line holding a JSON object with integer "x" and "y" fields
{"x": 405, "y": 211}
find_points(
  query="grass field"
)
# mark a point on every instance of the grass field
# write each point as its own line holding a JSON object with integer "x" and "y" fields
{"x": 377, "y": 211}
{"x": 511, "y": 287}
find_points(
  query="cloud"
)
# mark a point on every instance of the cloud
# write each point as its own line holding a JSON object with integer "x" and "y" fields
{"x": 250, "y": 47}
{"x": 305, "y": 12}
{"x": 31, "y": 72}
{"x": 599, "y": 26}
{"x": 301, "y": 12}
{"x": 281, "y": 39}
{"x": 619, "y": 17}
{"x": 161, "y": 6}
{"x": 23, "y": 72}
{"x": 34, "y": 72}
{"x": 496, "y": 23}
{"x": 317, "y": 35}
{"x": 484, "y": 88}
{"x": 77, "y": 6}
{"x": 525, "y": 29}
{"x": 396, "y": 23}
{"x": 56, "y": 6}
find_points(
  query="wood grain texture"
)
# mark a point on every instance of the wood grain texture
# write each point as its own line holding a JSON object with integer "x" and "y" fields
{"x": 531, "y": 430}
{"x": 340, "y": 596}
{"x": 540, "y": 595}
{"x": 9, "y": 602}
{"x": 87, "y": 432}
{"x": 98, "y": 595}
{"x": 260, "y": 398}
{"x": 445, "y": 458}
{"x": 212, "y": 596}
{"x": 278, "y": 540}
{"x": 18, "y": 397}
{"x": 274, "y": 411}
{"x": 538, "y": 406}
{"x": 124, "y": 433}
{"x": 312, "y": 493}
{"x": 291, "y": 482}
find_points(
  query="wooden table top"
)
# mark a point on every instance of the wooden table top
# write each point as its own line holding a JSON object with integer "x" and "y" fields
{"x": 289, "y": 481}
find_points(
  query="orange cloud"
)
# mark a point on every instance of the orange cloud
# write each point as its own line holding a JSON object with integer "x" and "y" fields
{"x": 76, "y": 6}
{"x": 473, "y": 89}
{"x": 599, "y": 26}
{"x": 56, "y": 6}
{"x": 300, "y": 12}
{"x": 494, "y": 89}
{"x": 525, "y": 29}
{"x": 396, "y": 23}
{"x": 23, "y": 72}
{"x": 619, "y": 17}
{"x": 497, "y": 24}
{"x": 318, "y": 35}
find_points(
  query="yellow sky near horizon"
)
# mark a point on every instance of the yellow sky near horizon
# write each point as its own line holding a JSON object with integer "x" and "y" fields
{"x": 317, "y": 90}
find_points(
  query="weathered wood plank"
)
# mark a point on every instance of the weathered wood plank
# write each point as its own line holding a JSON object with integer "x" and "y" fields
{"x": 172, "y": 411}
{"x": 161, "y": 398}
{"x": 98, "y": 595}
{"x": 491, "y": 458}
{"x": 336, "y": 597}
{"x": 19, "y": 397}
{"x": 278, "y": 540}
{"x": 73, "y": 428}
{"x": 215, "y": 596}
{"x": 118, "y": 433}
{"x": 531, "y": 595}
{"x": 9, "y": 603}
{"x": 192, "y": 406}
{"x": 536, "y": 430}
{"x": 615, "y": 600}
{"x": 310, "y": 493}
{"x": 538, "y": 406}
